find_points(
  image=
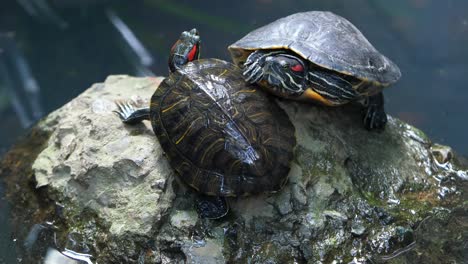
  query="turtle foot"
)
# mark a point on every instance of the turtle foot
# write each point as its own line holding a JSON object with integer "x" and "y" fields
{"x": 375, "y": 118}
{"x": 212, "y": 207}
{"x": 130, "y": 114}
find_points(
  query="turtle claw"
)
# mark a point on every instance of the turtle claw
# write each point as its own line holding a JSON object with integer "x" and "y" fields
{"x": 129, "y": 113}
{"x": 375, "y": 118}
{"x": 124, "y": 109}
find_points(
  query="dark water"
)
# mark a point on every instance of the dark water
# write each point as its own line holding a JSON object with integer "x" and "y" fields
{"x": 50, "y": 51}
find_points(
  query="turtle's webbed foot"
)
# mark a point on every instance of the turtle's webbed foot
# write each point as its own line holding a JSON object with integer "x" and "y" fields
{"x": 129, "y": 113}
{"x": 375, "y": 117}
{"x": 212, "y": 207}
{"x": 124, "y": 109}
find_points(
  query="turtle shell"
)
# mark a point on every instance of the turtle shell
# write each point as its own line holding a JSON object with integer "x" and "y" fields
{"x": 221, "y": 135}
{"x": 325, "y": 39}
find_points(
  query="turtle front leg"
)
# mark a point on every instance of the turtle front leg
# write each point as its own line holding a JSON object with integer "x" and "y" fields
{"x": 375, "y": 116}
{"x": 212, "y": 207}
{"x": 130, "y": 114}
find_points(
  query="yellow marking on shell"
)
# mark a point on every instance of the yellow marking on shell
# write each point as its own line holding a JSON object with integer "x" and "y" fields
{"x": 257, "y": 115}
{"x": 310, "y": 94}
{"x": 236, "y": 112}
{"x": 245, "y": 91}
{"x": 173, "y": 105}
{"x": 176, "y": 92}
{"x": 207, "y": 150}
{"x": 186, "y": 131}
{"x": 224, "y": 72}
{"x": 195, "y": 149}
{"x": 234, "y": 163}
{"x": 186, "y": 85}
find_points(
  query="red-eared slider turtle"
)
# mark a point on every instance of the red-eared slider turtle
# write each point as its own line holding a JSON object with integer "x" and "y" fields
{"x": 317, "y": 56}
{"x": 223, "y": 136}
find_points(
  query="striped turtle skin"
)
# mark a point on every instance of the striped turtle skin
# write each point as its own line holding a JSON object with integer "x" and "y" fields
{"x": 221, "y": 135}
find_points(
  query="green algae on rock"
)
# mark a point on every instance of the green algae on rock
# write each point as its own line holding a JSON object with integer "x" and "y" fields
{"x": 352, "y": 194}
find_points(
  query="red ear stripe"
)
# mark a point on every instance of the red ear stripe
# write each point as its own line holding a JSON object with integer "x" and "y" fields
{"x": 297, "y": 68}
{"x": 191, "y": 54}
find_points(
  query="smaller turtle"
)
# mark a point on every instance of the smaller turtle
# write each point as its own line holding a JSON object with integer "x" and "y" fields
{"x": 222, "y": 136}
{"x": 317, "y": 56}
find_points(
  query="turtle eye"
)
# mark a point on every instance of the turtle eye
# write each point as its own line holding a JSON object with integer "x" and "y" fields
{"x": 297, "y": 68}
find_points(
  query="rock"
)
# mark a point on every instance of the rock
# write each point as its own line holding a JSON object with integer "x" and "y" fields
{"x": 352, "y": 194}
{"x": 442, "y": 154}
{"x": 283, "y": 203}
{"x": 210, "y": 252}
{"x": 335, "y": 215}
{"x": 183, "y": 219}
{"x": 357, "y": 228}
{"x": 92, "y": 161}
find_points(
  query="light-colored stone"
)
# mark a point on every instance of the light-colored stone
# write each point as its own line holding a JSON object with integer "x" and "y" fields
{"x": 183, "y": 219}
{"x": 208, "y": 252}
{"x": 97, "y": 162}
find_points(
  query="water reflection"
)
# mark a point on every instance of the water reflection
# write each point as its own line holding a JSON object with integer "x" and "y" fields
{"x": 42, "y": 11}
{"x": 131, "y": 46}
{"x": 18, "y": 82}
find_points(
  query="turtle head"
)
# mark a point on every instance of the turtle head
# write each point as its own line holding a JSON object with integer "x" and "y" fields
{"x": 279, "y": 72}
{"x": 186, "y": 49}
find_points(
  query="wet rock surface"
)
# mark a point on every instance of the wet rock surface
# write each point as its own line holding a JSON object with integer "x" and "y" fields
{"x": 84, "y": 181}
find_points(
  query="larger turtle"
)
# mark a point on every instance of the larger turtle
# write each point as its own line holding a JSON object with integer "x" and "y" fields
{"x": 222, "y": 136}
{"x": 317, "y": 56}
